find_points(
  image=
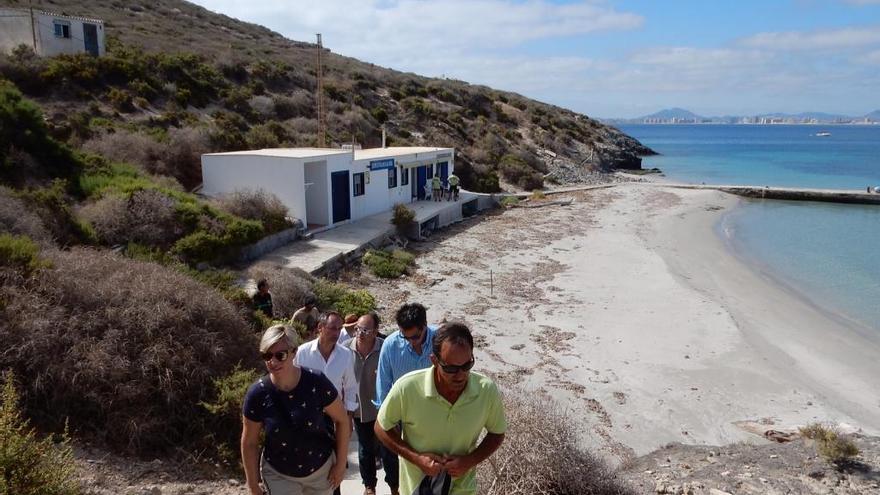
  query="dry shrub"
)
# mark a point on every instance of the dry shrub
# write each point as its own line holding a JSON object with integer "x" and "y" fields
{"x": 289, "y": 287}
{"x": 542, "y": 455}
{"x": 126, "y": 350}
{"x": 834, "y": 447}
{"x": 146, "y": 217}
{"x": 16, "y": 218}
{"x": 179, "y": 157}
{"x": 256, "y": 205}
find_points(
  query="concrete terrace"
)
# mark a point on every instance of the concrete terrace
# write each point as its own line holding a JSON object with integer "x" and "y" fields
{"x": 314, "y": 254}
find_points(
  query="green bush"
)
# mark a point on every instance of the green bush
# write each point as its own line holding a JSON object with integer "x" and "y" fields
{"x": 52, "y": 205}
{"x": 508, "y": 201}
{"x": 517, "y": 171}
{"x": 118, "y": 178}
{"x": 20, "y": 253}
{"x": 387, "y": 264}
{"x": 23, "y": 134}
{"x": 402, "y": 215}
{"x": 29, "y": 466}
{"x": 335, "y": 296}
{"x": 225, "y": 407}
{"x": 379, "y": 114}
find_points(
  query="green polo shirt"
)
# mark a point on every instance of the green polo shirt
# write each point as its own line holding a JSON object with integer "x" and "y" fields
{"x": 430, "y": 424}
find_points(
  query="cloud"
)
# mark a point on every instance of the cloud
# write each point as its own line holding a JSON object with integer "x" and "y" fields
{"x": 862, "y": 2}
{"x": 831, "y": 39}
{"x": 392, "y": 28}
{"x": 870, "y": 58}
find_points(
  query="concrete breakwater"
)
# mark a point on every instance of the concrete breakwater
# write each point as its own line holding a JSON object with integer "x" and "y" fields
{"x": 793, "y": 194}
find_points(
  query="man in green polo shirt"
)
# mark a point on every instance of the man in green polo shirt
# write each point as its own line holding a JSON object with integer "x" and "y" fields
{"x": 433, "y": 418}
{"x": 436, "y": 188}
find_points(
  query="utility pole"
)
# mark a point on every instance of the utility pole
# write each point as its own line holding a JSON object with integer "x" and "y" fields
{"x": 322, "y": 123}
{"x": 33, "y": 25}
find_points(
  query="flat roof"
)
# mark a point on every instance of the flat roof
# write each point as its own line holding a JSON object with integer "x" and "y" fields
{"x": 286, "y": 152}
{"x": 367, "y": 154}
{"x": 373, "y": 153}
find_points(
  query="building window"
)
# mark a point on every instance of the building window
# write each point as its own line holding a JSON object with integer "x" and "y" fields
{"x": 62, "y": 29}
{"x": 392, "y": 177}
{"x": 358, "y": 184}
{"x": 404, "y": 176}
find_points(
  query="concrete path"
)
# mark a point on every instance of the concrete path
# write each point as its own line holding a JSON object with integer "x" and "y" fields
{"x": 352, "y": 484}
{"x": 311, "y": 254}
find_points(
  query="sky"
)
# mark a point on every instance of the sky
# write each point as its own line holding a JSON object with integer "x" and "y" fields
{"x": 611, "y": 58}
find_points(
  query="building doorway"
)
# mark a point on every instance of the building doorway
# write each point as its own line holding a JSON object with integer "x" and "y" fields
{"x": 341, "y": 196}
{"x": 90, "y": 39}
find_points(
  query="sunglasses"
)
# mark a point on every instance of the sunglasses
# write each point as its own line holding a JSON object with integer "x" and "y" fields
{"x": 278, "y": 356}
{"x": 364, "y": 329}
{"x": 455, "y": 368}
{"x": 415, "y": 337}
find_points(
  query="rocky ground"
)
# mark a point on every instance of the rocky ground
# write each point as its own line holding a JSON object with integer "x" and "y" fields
{"x": 770, "y": 468}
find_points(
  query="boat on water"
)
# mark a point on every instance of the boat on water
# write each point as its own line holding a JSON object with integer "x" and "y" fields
{"x": 823, "y": 134}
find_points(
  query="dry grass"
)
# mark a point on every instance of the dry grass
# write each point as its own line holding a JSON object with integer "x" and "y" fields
{"x": 17, "y": 219}
{"x": 542, "y": 455}
{"x": 125, "y": 350}
{"x": 256, "y": 205}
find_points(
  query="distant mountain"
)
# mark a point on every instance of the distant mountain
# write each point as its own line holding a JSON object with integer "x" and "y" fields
{"x": 673, "y": 114}
{"x": 682, "y": 116}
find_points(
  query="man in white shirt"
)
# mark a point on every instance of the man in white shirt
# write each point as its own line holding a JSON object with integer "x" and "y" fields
{"x": 324, "y": 355}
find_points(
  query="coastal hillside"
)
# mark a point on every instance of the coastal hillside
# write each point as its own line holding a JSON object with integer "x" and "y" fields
{"x": 174, "y": 67}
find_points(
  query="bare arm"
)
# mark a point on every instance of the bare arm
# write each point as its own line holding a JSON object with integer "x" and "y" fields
{"x": 250, "y": 454}
{"x": 430, "y": 464}
{"x": 343, "y": 433}
{"x": 458, "y": 465}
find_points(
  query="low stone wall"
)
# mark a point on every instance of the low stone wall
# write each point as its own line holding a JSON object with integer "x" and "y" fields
{"x": 271, "y": 243}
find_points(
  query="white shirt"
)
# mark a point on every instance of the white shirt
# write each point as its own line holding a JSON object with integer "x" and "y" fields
{"x": 339, "y": 369}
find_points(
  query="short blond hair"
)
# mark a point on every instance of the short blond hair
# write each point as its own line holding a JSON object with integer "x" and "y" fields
{"x": 276, "y": 333}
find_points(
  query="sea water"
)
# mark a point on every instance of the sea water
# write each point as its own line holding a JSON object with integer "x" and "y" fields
{"x": 826, "y": 252}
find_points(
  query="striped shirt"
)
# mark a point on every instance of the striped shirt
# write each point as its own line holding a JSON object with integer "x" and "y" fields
{"x": 398, "y": 358}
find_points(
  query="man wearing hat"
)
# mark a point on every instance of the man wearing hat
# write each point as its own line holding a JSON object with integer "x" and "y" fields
{"x": 349, "y": 329}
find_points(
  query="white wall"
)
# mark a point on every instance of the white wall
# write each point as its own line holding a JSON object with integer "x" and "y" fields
{"x": 15, "y": 29}
{"x": 283, "y": 177}
{"x": 317, "y": 193}
{"x": 53, "y": 45}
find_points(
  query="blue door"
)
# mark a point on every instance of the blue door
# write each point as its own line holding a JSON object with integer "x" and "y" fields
{"x": 444, "y": 171}
{"x": 90, "y": 39}
{"x": 421, "y": 182}
{"x": 341, "y": 196}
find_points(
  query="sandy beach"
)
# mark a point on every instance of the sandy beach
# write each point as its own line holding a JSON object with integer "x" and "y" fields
{"x": 629, "y": 311}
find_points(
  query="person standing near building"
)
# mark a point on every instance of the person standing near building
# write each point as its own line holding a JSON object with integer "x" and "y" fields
{"x": 436, "y": 188}
{"x": 366, "y": 347}
{"x": 433, "y": 418}
{"x": 263, "y": 299}
{"x": 453, "y": 186}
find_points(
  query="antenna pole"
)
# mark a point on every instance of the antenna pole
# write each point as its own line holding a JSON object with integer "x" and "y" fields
{"x": 322, "y": 124}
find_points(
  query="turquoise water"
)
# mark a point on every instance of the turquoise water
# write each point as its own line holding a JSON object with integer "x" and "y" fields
{"x": 824, "y": 251}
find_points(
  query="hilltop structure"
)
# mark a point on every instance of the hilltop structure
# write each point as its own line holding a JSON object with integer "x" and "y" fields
{"x": 49, "y": 33}
{"x": 322, "y": 186}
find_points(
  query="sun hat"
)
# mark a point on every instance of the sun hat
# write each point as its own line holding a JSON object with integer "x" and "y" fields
{"x": 350, "y": 321}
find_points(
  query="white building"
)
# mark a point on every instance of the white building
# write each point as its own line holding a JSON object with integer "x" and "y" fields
{"x": 50, "y": 34}
{"x": 322, "y": 187}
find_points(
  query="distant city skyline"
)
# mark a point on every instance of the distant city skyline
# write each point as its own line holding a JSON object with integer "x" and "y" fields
{"x": 611, "y": 59}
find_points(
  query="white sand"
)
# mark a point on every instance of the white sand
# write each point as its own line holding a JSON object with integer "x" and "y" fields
{"x": 628, "y": 309}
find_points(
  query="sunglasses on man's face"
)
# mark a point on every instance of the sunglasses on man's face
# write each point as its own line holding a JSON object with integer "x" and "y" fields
{"x": 414, "y": 337}
{"x": 364, "y": 330}
{"x": 278, "y": 356}
{"x": 455, "y": 368}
